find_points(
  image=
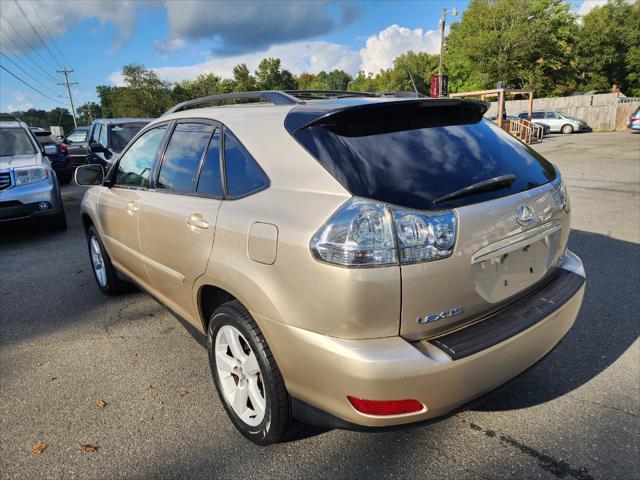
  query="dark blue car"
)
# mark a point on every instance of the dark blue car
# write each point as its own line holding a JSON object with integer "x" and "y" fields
{"x": 61, "y": 161}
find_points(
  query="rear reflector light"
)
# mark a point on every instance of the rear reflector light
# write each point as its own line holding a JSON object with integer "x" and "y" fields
{"x": 62, "y": 148}
{"x": 385, "y": 407}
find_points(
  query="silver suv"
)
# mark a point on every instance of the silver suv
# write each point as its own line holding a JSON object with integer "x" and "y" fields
{"x": 28, "y": 185}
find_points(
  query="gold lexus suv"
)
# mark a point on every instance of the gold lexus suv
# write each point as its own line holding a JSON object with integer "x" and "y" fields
{"x": 354, "y": 261}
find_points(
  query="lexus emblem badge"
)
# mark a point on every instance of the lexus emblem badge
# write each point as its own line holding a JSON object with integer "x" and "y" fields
{"x": 524, "y": 215}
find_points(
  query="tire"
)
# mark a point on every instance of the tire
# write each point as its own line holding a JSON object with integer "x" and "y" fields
{"x": 106, "y": 276}
{"x": 267, "y": 413}
{"x": 58, "y": 221}
{"x": 567, "y": 129}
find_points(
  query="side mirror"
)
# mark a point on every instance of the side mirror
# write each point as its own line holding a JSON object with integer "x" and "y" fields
{"x": 50, "y": 150}
{"x": 91, "y": 174}
{"x": 97, "y": 148}
{"x": 60, "y": 137}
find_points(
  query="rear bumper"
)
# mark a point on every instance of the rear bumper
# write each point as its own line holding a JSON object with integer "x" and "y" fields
{"x": 320, "y": 371}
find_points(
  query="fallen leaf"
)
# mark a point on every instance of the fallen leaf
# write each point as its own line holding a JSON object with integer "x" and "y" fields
{"x": 182, "y": 393}
{"x": 150, "y": 387}
{"x": 39, "y": 447}
{"x": 101, "y": 403}
{"x": 85, "y": 447}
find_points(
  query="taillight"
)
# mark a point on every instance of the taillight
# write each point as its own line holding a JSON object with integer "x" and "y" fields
{"x": 368, "y": 233}
{"x": 383, "y": 408}
{"x": 62, "y": 148}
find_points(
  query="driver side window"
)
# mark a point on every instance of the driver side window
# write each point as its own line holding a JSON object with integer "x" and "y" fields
{"x": 135, "y": 165}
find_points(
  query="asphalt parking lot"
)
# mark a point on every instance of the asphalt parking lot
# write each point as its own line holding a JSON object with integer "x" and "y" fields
{"x": 64, "y": 346}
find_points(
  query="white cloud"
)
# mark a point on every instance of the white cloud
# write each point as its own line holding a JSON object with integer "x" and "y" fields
{"x": 60, "y": 17}
{"x": 313, "y": 56}
{"x": 245, "y": 26}
{"x": 381, "y": 49}
{"x": 18, "y": 108}
{"x": 588, "y": 5}
{"x": 169, "y": 46}
{"x": 19, "y": 96}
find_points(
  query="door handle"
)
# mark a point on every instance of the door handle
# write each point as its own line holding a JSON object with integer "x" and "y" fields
{"x": 196, "y": 221}
{"x": 132, "y": 207}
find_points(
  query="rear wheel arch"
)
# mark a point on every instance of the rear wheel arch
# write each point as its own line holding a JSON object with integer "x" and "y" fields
{"x": 210, "y": 298}
{"x": 87, "y": 222}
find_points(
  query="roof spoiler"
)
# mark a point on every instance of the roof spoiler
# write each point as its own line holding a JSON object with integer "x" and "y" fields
{"x": 427, "y": 111}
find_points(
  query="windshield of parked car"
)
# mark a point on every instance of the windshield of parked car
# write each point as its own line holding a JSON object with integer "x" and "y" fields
{"x": 413, "y": 157}
{"x": 15, "y": 141}
{"x": 77, "y": 136}
{"x": 122, "y": 134}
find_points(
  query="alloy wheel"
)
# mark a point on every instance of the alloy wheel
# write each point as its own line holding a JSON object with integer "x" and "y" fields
{"x": 239, "y": 374}
{"x": 97, "y": 260}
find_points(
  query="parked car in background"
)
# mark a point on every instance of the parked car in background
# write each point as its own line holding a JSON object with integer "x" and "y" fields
{"x": 634, "y": 121}
{"x": 556, "y": 121}
{"x": 60, "y": 161}
{"x": 28, "y": 185}
{"x": 109, "y": 136}
{"x": 353, "y": 281}
{"x": 545, "y": 128}
{"x": 77, "y": 145}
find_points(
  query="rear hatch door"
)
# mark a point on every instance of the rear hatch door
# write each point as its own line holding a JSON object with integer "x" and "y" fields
{"x": 414, "y": 154}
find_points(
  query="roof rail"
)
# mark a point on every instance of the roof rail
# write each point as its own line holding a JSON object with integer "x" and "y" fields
{"x": 274, "y": 96}
{"x": 318, "y": 94}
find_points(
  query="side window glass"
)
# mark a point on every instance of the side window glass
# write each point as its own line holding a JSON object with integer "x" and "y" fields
{"x": 210, "y": 182}
{"x": 103, "y": 136}
{"x": 179, "y": 170}
{"x": 537, "y": 115}
{"x": 95, "y": 134}
{"x": 136, "y": 163}
{"x": 243, "y": 173}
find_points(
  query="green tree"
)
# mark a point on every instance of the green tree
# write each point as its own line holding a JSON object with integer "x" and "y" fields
{"x": 270, "y": 76}
{"x": 144, "y": 94}
{"x": 525, "y": 43}
{"x": 608, "y": 48}
{"x": 88, "y": 112}
{"x": 244, "y": 81}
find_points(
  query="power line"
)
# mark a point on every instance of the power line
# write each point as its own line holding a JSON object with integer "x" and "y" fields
{"x": 35, "y": 31}
{"x": 27, "y": 55}
{"x": 29, "y": 75}
{"x": 35, "y": 49}
{"x": 29, "y": 85}
{"x": 46, "y": 29}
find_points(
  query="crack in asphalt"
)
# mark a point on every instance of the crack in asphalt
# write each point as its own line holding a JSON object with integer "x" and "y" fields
{"x": 558, "y": 468}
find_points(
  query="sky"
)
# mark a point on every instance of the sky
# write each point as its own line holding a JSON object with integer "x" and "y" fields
{"x": 181, "y": 39}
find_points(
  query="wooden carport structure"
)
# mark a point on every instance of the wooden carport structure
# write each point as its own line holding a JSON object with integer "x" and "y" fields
{"x": 524, "y": 129}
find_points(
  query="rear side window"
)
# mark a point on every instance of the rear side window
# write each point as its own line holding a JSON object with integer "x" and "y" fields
{"x": 188, "y": 143}
{"x": 135, "y": 165}
{"x": 411, "y": 155}
{"x": 244, "y": 175}
{"x": 210, "y": 182}
{"x": 537, "y": 115}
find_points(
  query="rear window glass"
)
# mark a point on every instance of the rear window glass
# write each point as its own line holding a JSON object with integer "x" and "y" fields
{"x": 244, "y": 176}
{"x": 412, "y": 158}
{"x": 15, "y": 141}
{"x": 122, "y": 134}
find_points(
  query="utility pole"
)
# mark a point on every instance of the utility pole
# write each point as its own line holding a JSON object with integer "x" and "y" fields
{"x": 443, "y": 18}
{"x": 66, "y": 73}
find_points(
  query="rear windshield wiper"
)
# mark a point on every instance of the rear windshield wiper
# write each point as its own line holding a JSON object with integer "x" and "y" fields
{"x": 494, "y": 183}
